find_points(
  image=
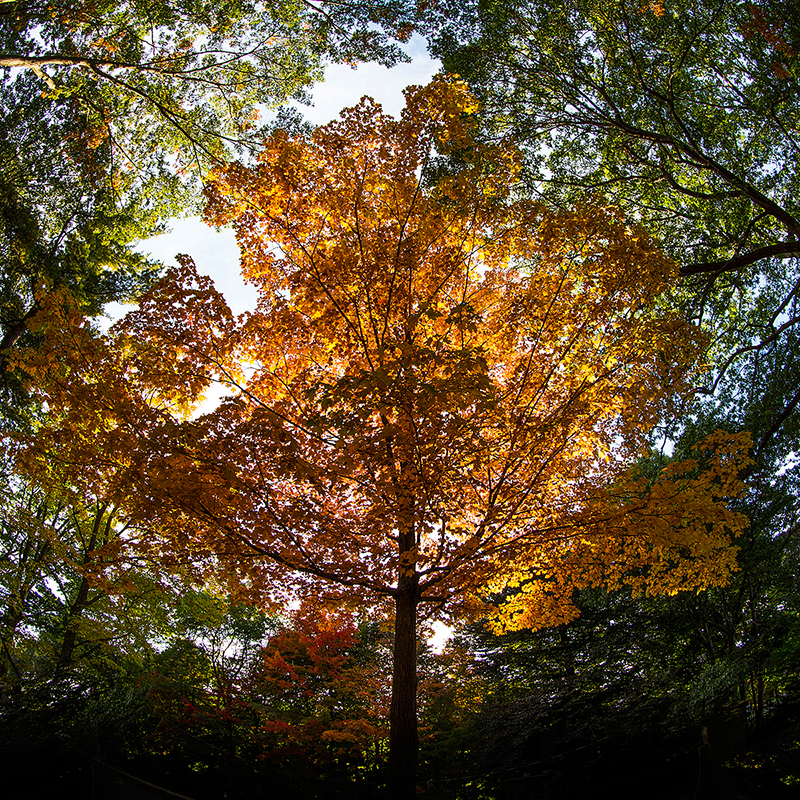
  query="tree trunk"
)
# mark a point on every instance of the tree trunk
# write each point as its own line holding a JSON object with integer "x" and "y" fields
{"x": 74, "y": 615}
{"x": 28, "y": 571}
{"x": 16, "y": 329}
{"x": 403, "y": 741}
{"x": 81, "y": 601}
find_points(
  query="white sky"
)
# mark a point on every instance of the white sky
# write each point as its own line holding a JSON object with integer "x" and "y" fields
{"x": 215, "y": 252}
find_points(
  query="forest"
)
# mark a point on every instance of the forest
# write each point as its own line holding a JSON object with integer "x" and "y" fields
{"x": 524, "y": 363}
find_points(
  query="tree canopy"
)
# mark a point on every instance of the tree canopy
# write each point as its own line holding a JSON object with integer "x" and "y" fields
{"x": 684, "y": 110}
{"x": 681, "y": 113}
{"x": 172, "y": 85}
{"x": 506, "y": 350}
{"x": 436, "y": 401}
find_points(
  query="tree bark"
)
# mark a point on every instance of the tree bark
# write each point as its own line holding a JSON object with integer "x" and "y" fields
{"x": 16, "y": 329}
{"x": 403, "y": 740}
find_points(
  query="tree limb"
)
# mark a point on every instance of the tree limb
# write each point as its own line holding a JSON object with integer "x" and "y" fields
{"x": 781, "y": 250}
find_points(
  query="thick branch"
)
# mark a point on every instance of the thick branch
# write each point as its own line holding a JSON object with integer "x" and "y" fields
{"x": 16, "y": 329}
{"x": 703, "y": 160}
{"x": 57, "y": 61}
{"x": 781, "y": 250}
{"x": 163, "y": 66}
{"x": 779, "y": 420}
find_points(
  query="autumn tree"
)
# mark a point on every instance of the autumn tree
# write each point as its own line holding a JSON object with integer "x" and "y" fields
{"x": 322, "y": 691}
{"x": 434, "y": 404}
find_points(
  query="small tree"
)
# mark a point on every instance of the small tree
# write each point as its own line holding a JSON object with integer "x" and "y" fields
{"x": 443, "y": 383}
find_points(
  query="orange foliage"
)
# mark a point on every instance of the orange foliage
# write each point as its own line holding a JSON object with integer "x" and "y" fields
{"x": 441, "y": 382}
{"x": 317, "y": 697}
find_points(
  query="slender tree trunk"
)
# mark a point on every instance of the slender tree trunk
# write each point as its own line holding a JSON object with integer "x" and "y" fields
{"x": 27, "y": 573}
{"x": 9, "y": 623}
{"x": 403, "y": 741}
{"x": 81, "y": 601}
{"x": 74, "y": 615}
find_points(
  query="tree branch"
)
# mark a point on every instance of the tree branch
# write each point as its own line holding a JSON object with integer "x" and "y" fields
{"x": 778, "y": 421}
{"x": 781, "y": 250}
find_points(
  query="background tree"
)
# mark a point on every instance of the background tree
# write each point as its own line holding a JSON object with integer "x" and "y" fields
{"x": 682, "y": 114}
{"x": 62, "y": 225}
{"x": 171, "y": 85}
{"x": 747, "y": 631}
{"x": 167, "y": 703}
{"x": 75, "y": 588}
{"x": 323, "y": 688}
{"x": 438, "y": 375}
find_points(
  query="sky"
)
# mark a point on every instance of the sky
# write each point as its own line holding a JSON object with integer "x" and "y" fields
{"x": 215, "y": 252}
